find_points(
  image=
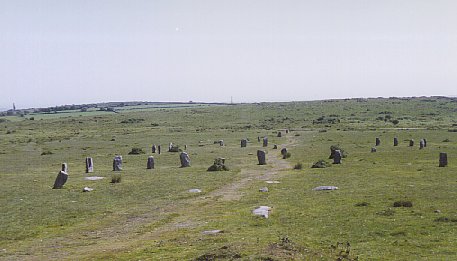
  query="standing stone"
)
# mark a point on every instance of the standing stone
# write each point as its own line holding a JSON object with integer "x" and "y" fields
{"x": 244, "y": 143}
{"x": 337, "y": 157}
{"x": 395, "y": 141}
{"x": 373, "y": 149}
{"x": 117, "y": 163}
{"x": 185, "y": 147}
{"x": 284, "y": 153}
{"x": 64, "y": 167}
{"x": 265, "y": 141}
{"x": 425, "y": 142}
{"x": 258, "y": 139}
{"x": 170, "y": 146}
{"x": 261, "y": 157}
{"x": 411, "y": 142}
{"x": 159, "y": 148}
{"x": 89, "y": 165}
{"x": 421, "y": 144}
{"x": 279, "y": 134}
{"x": 154, "y": 148}
{"x": 378, "y": 141}
{"x": 185, "y": 160}
{"x": 60, "y": 179}
{"x": 150, "y": 164}
{"x": 287, "y": 131}
{"x": 275, "y": 147}
{"x": 443, "y": 159}
{"x": 221, "y": 143}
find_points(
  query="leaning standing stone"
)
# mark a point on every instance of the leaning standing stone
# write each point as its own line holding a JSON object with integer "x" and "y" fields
{"x": 244, "y": 142}
{"x": 261, "y": 157}
{"x": 61, "y": 178}
{"x": 117, "y": 163}
{"x": 395, "y": 141}
{"x": 284, "y": 153}
{"x": 89, "y": 165}
{"x": 150, "y": 164}
{"x": 185, "y": 160}
{"x": 265, "y": 141}
{"x": 337, "y": 157}
{"x": 411, "y": 142}
{"x": 378, "y": 142}
{"x": 443, "y": 159}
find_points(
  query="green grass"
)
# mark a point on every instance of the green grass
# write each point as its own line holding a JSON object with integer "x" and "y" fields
{"x": 150, "y": 215}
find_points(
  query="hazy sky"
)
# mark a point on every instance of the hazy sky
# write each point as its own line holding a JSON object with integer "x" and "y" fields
{"x": 55, "y": 52}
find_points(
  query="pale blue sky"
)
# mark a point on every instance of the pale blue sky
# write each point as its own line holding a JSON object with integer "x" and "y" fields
{"x": 55, "y": 52}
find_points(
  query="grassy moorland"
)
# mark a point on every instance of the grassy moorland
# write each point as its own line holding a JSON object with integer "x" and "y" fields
{"x": 150, "y": 214}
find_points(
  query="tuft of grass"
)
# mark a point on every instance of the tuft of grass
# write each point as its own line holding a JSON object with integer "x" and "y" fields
{"x": 404, "y": 204}
{"x": 320, "y": 164}
{"x": 136, "y": 151}
{"x": 298, "y": 166}
{"x": 116, "y": 178}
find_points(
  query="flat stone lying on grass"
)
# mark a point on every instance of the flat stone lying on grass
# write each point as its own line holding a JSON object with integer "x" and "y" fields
{"x": 325, "y": 188}
{"x": 212, "y": 232}
{"x": 93, "y": 178}
{"x": 87, "y": 189}
{"x": 264, "y": 189}
{"x": 262, "y": 211}
{"x": 195, "y": 190}
{"x": 272, "y": 182}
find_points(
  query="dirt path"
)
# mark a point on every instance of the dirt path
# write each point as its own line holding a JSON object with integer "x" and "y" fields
{"x": 124, "y": 236}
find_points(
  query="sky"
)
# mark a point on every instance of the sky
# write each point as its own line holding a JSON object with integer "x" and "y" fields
{"x": 56, "y": 52}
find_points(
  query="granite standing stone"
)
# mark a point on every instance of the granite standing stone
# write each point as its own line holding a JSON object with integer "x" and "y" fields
{"x": 411, "y": 142}
{"x": 443, "y": 159}
{"x": 284, "y": 153}
{"x": 421, "y": 144}
{"x": 89, "y": 165}
{"x": 275, "y": 147}
{"x": 337, "y": 157}
{"x": 373, "y": 149}
{"x": 258, "y": 139}
{"x": 244, "y": 143}
{"x": 425, "y": 143}
{"x": 378, "y": 142}
{"x": 154, "y": 148}
{"x": 395, "y": 141}
{"x": 159, "y": 148}
{"x": 117, "y": 163}
{"x": 261, "y": 157}
{"x": 265, "y": 141}
{"x": 185, "y": 160}
{"x": 287, "y": 131}
{"x": 279, "y": 134}
{"x": 61, "y": 178}
{"x": 150, "y": 164}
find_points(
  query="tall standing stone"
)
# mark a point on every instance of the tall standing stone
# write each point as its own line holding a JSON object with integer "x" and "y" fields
{"x": 244, "y": 143}
{"x": 443, "y": 159}
{"x": 150, "y": 164}
{"x": 265, "y": 141}
{"x": 117, "y": 163}
{"x": 279, "y": 134}
{"x": 185, "y": 160}
{"x": 61, "y": 179}
{"x": 287, "y": 131}
{"x": 89, "y": 165}
{"x": 159, "y": 148}
{"x": 64, "y": 167}
{"x": 421, "y": 144}
{"x": 378, "y": 141}
{"x": 284, "y": 153}
{"x": 153, "y": 148}
{"x": 261, "y": 157}
{"x": 395, "y": 141}
{"x": 425, "y": 142}
{"x": 411, "y": 142}
{"x": 258, "y": 139}
{"x": 337, "y": 157}
{"x": 170, "y": 146}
